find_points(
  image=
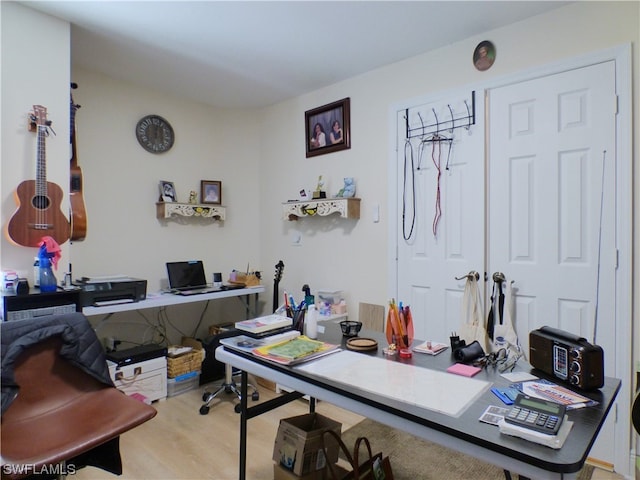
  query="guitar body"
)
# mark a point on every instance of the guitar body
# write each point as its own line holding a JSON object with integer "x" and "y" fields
{"x": 78, "y": 212}
{"x": 76, "y": 198}
{"x": 38, "y": 215}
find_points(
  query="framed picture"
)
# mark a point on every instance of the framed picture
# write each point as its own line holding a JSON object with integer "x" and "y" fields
{"x": 484, "y": 55}
{"x": 211, "y": 192}
{"x": 327, "y": 128}
{"x": 167, "y": 192}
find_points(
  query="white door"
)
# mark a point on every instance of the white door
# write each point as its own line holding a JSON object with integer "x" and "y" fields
{"x": 543, "y": 224}
{"x": 432, "y": 252}
{"x": 551, "y": 206}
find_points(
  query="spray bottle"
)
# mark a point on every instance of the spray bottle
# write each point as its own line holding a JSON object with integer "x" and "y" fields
{"x": 48, "y": 282}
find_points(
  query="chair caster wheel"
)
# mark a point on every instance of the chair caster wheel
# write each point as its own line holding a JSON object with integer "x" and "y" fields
{"x": 255, "y": 396}
{"x": 237, "y": 408}
{"x": 205, "y": 396}
{"x": 204, "y": 410}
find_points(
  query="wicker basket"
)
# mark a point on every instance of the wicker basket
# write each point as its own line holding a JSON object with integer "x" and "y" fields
{"x": 185, "y": 363}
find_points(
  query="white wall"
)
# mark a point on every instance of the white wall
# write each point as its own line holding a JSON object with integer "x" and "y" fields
{"x": 258, "y": 155}
{"x": 353, "y": 256}
{"x": 35, "y": 71}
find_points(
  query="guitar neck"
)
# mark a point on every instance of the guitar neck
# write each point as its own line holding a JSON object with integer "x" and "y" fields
{"x": 41, "y": 162}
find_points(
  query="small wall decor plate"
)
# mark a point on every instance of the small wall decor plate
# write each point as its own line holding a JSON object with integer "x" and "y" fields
{"x": 484, "y": 55}
{"x": 362, "y": 344}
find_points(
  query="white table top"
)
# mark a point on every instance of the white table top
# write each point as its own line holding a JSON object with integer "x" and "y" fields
{"x": 163, "y": 299}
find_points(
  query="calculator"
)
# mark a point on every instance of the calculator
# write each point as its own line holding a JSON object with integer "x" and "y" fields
{"x": 536, "y": 414}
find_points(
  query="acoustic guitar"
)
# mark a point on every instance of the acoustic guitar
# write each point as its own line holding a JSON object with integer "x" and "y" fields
{"x": 38, "y": 212}
{"x": 76, "y": 198}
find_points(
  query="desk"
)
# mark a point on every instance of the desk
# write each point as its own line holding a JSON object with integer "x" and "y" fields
{"x": 166, "y": 299}
{"x": 463, "y": 433}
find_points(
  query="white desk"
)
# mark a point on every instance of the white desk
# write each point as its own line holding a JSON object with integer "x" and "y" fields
{"x": 156, "y": 300}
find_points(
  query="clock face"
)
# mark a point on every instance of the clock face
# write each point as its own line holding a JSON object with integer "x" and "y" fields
{"x": 154, "y": 134}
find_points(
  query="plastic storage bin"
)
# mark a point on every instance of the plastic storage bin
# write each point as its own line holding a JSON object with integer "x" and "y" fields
{"x": 182, "y": 384}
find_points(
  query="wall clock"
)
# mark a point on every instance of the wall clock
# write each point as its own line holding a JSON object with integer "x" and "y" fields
{"x": 154, "y": 134}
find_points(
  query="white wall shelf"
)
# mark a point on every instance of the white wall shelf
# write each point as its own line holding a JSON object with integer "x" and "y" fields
{"x": 165, "y": 210}
{"x": 345, "y": 207}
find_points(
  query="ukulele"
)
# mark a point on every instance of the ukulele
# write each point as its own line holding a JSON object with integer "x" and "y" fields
{"x": 78, "y": 214}
{"x": 38, "y": 212}
{"x": 276, "y": 284}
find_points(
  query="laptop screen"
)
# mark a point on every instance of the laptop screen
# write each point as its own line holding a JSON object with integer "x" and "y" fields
{"x": 186, "y": 274}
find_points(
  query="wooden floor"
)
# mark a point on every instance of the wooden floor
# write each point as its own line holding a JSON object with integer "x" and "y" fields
{"x": 179, "y": 443}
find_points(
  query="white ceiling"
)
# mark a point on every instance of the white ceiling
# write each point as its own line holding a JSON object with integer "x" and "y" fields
{"x": 241, "y": 54}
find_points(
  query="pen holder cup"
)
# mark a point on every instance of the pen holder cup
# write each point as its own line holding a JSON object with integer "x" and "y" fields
{"x": 350, "y": 328}
{"x": 298, "y": 319}
{"x": 403, "y": 342}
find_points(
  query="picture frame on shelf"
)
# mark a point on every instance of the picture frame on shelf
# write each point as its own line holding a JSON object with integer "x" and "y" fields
{"x": 211, "y": 192}
{"x": 167, "y": 191}
{"x": 328, "y": 128}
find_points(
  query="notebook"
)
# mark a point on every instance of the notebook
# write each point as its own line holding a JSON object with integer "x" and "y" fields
{"x": 187, "y": 278}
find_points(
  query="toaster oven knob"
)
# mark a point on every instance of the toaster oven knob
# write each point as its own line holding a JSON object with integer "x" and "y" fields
{"x": 575, "y": 380}
{"x": 575, "y": 367}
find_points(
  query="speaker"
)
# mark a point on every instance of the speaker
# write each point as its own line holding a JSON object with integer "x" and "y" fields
{"x": 567, "y": 356}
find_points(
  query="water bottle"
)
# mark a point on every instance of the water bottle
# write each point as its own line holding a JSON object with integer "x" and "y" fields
{"x": 48, "y": 282}
{"x": 311, "y": 322}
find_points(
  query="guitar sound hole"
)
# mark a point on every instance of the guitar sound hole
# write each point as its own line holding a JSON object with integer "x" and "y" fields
{"x": 41, "y": 202}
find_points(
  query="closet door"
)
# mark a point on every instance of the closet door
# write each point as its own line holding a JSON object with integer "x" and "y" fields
{"x": 552, "y": 206}
{"x": 446, "y": 179}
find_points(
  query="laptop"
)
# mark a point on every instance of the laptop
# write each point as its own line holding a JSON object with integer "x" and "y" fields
{"x": 188, "y": 278}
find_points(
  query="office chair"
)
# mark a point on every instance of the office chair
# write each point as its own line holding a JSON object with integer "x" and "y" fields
{"x": 58, "y": 414}
{"x": 228, "y": 386}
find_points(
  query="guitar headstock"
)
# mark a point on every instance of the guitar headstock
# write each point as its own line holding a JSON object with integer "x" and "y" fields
{"x": 279, "y": 270}
{"x": 74, "y": 106}
{"x": 38, "y": 117}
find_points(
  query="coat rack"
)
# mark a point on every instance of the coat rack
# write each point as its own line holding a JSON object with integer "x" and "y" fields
{"x": 435, "y": 129}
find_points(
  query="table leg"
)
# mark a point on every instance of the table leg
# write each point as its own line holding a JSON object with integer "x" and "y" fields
{"x": 243, "y": 425}
{"x": 246, "y": 302}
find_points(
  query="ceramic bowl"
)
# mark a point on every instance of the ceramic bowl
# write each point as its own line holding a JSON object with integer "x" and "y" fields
{"x": 350, "y": 328}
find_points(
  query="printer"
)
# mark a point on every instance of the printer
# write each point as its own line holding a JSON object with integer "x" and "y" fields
{"x": 105, "y": 290}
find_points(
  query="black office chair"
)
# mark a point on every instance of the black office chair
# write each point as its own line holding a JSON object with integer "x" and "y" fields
{"x": 228, "y": 384}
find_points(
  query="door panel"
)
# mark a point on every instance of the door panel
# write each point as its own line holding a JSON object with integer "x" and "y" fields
{"x": 547, "y": 191}
{"x": 428, "y": 263}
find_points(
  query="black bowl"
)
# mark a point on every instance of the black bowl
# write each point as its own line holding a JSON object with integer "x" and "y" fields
{"x": 350, "y": 328}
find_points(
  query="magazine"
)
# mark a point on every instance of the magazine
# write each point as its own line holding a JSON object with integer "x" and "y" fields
{"x": 550, "y": 391}
{"x": 298, "y": 350}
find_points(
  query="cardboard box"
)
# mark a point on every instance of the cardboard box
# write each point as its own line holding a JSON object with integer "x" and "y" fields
{"x": 268, "y": 384}
{"x": 298, "y": 444}
{"x": 281, "y": 473}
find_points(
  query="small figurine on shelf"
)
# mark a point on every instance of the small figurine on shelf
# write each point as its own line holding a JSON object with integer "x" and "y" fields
{"x": 349, "y": 189}
{"x": 193, "y": 197}
{"x": 319, "y": 192}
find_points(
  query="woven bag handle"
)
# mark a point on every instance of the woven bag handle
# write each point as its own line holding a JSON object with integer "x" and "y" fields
{"x": 344, "y": 449}
{"x": 356, "y": 450}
